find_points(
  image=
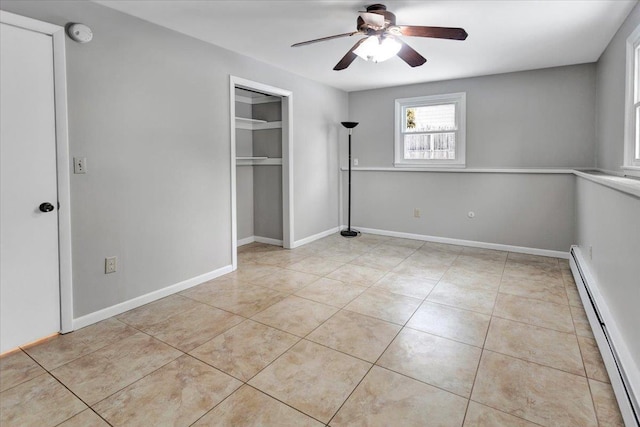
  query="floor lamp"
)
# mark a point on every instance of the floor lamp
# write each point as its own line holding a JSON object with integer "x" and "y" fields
{"x": 349, "y": 232}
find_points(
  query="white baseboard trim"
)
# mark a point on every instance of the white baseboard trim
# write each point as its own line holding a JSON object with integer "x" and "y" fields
{"x": 611, "y": 343}
{"x": 268, "y": 241}
{"x": 318, "y": 236}
{"x": 460, "y": 242}
{"x": 114, "y": 310}
{"x": 265, "y": 240}
{"x": 246, "y": 240}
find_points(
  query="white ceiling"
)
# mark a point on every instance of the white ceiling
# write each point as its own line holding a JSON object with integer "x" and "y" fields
{"x": 504, "y": 35}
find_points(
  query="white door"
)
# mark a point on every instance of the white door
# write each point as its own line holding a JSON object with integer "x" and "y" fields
{"x": 29, "y": 277}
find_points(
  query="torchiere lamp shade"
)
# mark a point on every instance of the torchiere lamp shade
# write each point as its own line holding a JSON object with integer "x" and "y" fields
{"x": 349, "y": 125}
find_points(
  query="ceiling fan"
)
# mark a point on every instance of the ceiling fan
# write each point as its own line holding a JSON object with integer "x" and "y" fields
{"x": 382, "y": 42}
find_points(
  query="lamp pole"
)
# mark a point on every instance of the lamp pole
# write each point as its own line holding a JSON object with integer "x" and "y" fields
{"x": 349, "y": 232}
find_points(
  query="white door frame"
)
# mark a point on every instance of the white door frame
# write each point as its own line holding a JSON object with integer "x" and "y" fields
{"x": 62, "y": 157}
{"x": 287, "y": 159}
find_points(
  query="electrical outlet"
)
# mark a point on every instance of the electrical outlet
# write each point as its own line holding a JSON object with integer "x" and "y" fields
{"x": 110, "y": 265}
{"x": 416, "y": 213}
{"x": 355, "y": 162}
{"x": 471, "y": 214}
{"x": 79, "y": 165}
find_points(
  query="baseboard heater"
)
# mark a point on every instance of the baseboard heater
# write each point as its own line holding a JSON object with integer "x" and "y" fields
{"x": 613, "y": 350}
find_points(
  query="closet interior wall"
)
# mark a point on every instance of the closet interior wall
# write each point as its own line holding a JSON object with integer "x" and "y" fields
{"x": 259, "y": 168}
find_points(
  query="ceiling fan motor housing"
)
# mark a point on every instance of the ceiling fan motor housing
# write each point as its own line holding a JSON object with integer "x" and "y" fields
{"x": 380, "y": 9}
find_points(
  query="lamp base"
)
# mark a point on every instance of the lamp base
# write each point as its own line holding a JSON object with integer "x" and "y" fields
{"x": 350, "y": 233}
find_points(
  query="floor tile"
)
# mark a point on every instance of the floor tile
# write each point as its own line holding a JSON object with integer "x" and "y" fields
{"x": 313, "y": 379}
{"x": 16, "y": 368}
{"x": 316, "y": 265}
{"x": 472, "y": 279}
{"x": 544, "y": 291}
{"x": 393, "y": 251}
{"x": 539, "y": 394}
{"x": 331, "y": 292}
{"x": 581, "y": 322}
{"x": 356, "y": 275}
{"x": 251, "y": 272}
{"x": 380, "y": 262}
{"x": 342, "y": 255}
{"x": 532, "y": 259}
{"x": 249, "y": 407}
{"x": 97, "y": 375}
{"x": 403, "y": 243}
{"x": 544, "y": 346}
{"x": 352, "y": 333}
{"x": 157, "y": 311}
{"x": 384, "y": 305}
{"x": 239, "y": 298}
{"x": 441, "y": 362}
{"x": 606, "y": 405}
{"x": 189, "y": 329}
{"x": 410, "y": 286}
{"x": 535, "y": 271}
{"x": 288, "y": 281}
{"x": 61, "y": 349}
{"x": 449, "y": 322}
{"x": 423, "y": 265}
{"x": 177, "y": 394}
{"x": 484, "y": 254}
{"x": 593, "y": 363}
{"x": 573, "y": 296}
{"x": 462, "y": 296}
{"x": 245, "y": 349}
{"x": 295, "y": 315}
{"x": 480, "y": 265}
{"x": 283, "y": 258}
{"x": 482, "y": 416}
{"x": 442, "y": 247}
{"x": 86, "y": 418}
{"x": 385, "y": 398}
{"x": 41, "y": 401}
{"x": 534, "y": 312}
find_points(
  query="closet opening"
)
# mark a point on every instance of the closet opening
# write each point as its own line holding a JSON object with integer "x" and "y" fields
{"x": 261, "y": 165}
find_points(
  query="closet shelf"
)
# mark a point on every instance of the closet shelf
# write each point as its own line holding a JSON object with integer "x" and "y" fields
{"x": 258, "y": 161}
{"x": 254, "y": 124}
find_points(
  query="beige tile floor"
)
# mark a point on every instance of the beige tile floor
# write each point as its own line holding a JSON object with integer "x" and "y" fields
{"x": 371, "y": 331}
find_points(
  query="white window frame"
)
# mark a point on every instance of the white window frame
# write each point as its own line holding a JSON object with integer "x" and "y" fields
{"x": 460, "y": 101}
{"x": 631, "y": 164}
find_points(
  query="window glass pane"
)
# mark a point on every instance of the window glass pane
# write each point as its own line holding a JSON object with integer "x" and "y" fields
{"x": 434, "y": 146}
{"x": 430, "y": 118}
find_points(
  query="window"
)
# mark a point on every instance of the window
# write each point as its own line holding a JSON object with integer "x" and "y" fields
{"x": 632, "y": 105}
{"x": 430, "y": 131}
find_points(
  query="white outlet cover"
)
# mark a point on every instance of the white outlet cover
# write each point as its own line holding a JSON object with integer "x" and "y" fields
{"x": 471, "y": 214}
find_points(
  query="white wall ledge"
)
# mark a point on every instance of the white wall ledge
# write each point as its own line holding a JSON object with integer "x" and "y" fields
{"x": 463, "y": 170}
{"x": 624, "y": 184}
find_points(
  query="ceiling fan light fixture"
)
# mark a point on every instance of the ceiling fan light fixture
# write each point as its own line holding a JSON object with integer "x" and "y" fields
{"x": 378, "y": 49}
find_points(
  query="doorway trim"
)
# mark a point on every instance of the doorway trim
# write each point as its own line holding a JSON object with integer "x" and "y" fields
{"x": 287, "y": 159}
{"x": 62, "y": 157}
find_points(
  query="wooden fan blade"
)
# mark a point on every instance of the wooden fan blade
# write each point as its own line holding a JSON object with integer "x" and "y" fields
{"x": 434, "y": 32}
{"x": 349, "y": 57}
{"x": 337, "y": 36}
{"x": 410, "y": 56}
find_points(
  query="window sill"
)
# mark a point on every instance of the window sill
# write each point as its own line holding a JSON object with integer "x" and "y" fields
{"x": 633, "y": 171}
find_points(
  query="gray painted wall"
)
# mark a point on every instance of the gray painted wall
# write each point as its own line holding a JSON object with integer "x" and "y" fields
{"x": 149, "y": 108}
{"x": 541, "y": 119}
{"x": 535, "y": 211}
{"x": 610, "y": 80}
{"x": 608, "y": 221}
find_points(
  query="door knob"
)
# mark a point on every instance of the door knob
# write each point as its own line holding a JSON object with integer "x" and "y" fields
{"x": 46, "y": 207}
